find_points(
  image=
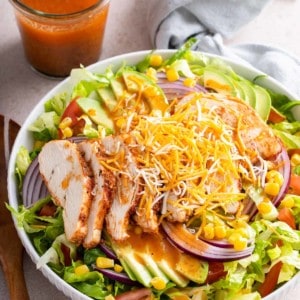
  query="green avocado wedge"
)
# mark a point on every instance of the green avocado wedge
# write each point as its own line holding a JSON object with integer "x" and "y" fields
{"x": 263, "y": 102}
{"x": 95, "y": 111}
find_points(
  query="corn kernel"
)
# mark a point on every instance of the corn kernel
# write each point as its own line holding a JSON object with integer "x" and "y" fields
{"x": 118, "y": 268}
{"x": 82, "y": 269}
{"x": 172, "y": 74}
{"x": 104, "y": 262}
{"x": 272, "y": 188}
{"x": 288, "y": 202}
{"x": 275, "y": 176}
{"x": 242, "y": 231}
{"x": 295, "y": 160}
{"x": 155, "y": 60}
{"x": 66, "y": 122}
{"x": 220, "y": 231}
{"x": 158, "y": 283}
{"x": 264, "y": 207}
{"x": 189, "y": 82}
{"x": 67, "y": 132}
{"x": 239, "y": 243}
{"x": 209, "y": 231}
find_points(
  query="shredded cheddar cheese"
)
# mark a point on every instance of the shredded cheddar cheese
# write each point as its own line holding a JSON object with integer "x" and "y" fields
{"x": 189, "y": 161}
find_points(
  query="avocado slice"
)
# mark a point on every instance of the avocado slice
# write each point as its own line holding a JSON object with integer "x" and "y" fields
{"x": 193, "y": 268}
{"x": 152, "y": 266}
{"x": 240, "y": 92}
{"x": 118, "y": 87}
{"x": 263, "y": 102}
{"x": 250, "y": 96}
{"x": 132, "y": 264}
{"x": 219, "y": 82}
{"x": 174, "y": 275}
{"x": 95, "y": 111}
{"x": 137, "y": 82}
{"x": 108, "y": 97}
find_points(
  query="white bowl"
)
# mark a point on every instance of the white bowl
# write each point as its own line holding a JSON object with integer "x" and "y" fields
{"x": 24, "y": 138}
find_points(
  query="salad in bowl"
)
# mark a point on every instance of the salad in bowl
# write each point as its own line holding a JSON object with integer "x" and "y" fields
{"x": 161, "y": 175}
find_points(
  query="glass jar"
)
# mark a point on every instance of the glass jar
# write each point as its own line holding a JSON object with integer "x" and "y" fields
{"x": 59, "y": 35}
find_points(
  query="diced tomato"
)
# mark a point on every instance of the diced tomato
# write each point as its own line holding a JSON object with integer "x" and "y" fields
{"x": 275, "y": 116}
{"x": 285, "y": 215}
{"x": 78, "y": 127}
{"x": 73, "y": 111}
{"x": 67, "y": 254}
{"x": 215, "y": 271}
{"x": 295, "y": 184}
{"x": 271, "y": 280}
{"x": 48, "y": 210}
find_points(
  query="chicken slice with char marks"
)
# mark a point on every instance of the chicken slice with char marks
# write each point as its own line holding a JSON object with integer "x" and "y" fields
{"x": 125, "y": 198}
{"x": 103, "y": 190}
{"x": 66, "y": 175}
{"x": 257, "y": 137}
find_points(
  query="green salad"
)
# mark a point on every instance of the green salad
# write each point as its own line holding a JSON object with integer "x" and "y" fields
{"x": 174, "y": 178}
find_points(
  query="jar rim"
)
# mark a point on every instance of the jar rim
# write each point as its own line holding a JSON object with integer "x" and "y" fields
{"x": 20, "y": 5}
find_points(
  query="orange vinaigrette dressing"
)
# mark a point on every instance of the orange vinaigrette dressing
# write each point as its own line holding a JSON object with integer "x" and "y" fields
{"x": 55, "y": 46}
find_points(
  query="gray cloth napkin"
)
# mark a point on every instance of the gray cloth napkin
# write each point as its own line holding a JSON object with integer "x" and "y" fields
{"x": 173, "y": 22}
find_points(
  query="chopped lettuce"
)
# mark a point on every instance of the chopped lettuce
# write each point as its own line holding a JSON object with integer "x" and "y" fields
{"x": 55, "y": 254}
{"x": 23, "y": 160}
{"x": 43, "y": 230}
{"x": 91, "y": 284}
{"x": 45, "y": 127}
{"x": 58, "y": 103}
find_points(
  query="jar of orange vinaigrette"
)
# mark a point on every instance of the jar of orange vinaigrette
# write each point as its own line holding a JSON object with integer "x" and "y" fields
{"x": 59, "y": 35}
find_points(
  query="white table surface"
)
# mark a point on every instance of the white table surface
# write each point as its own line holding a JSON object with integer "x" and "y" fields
{"x": 21, "y": 87}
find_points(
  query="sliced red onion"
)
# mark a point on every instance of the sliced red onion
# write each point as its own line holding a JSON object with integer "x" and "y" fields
{"x": 218, "y": 243}
{"x": 33, "y": 187}
{"x": 285, "y": 169}
{"x": 120, "y": 277}
{"x": 187, "y": 242}
{"x": 176, "y": 89}
{"x": 108, "y": 251}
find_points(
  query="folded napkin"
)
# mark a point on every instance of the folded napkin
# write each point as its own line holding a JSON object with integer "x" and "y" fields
{"x": 173, "y": 22}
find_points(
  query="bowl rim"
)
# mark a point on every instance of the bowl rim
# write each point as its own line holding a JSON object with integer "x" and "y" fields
{"x": 130, "y": 58}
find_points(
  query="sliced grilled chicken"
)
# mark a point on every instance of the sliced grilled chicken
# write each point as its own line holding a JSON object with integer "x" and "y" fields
{"x": 125, "y": 198}
{"x": 66, "y": 175}
{"x": 175, "y": 213}
{"x": 257, "y": 137}
{"x": 148, "y": 221}
{"x": 103, "y": 190}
